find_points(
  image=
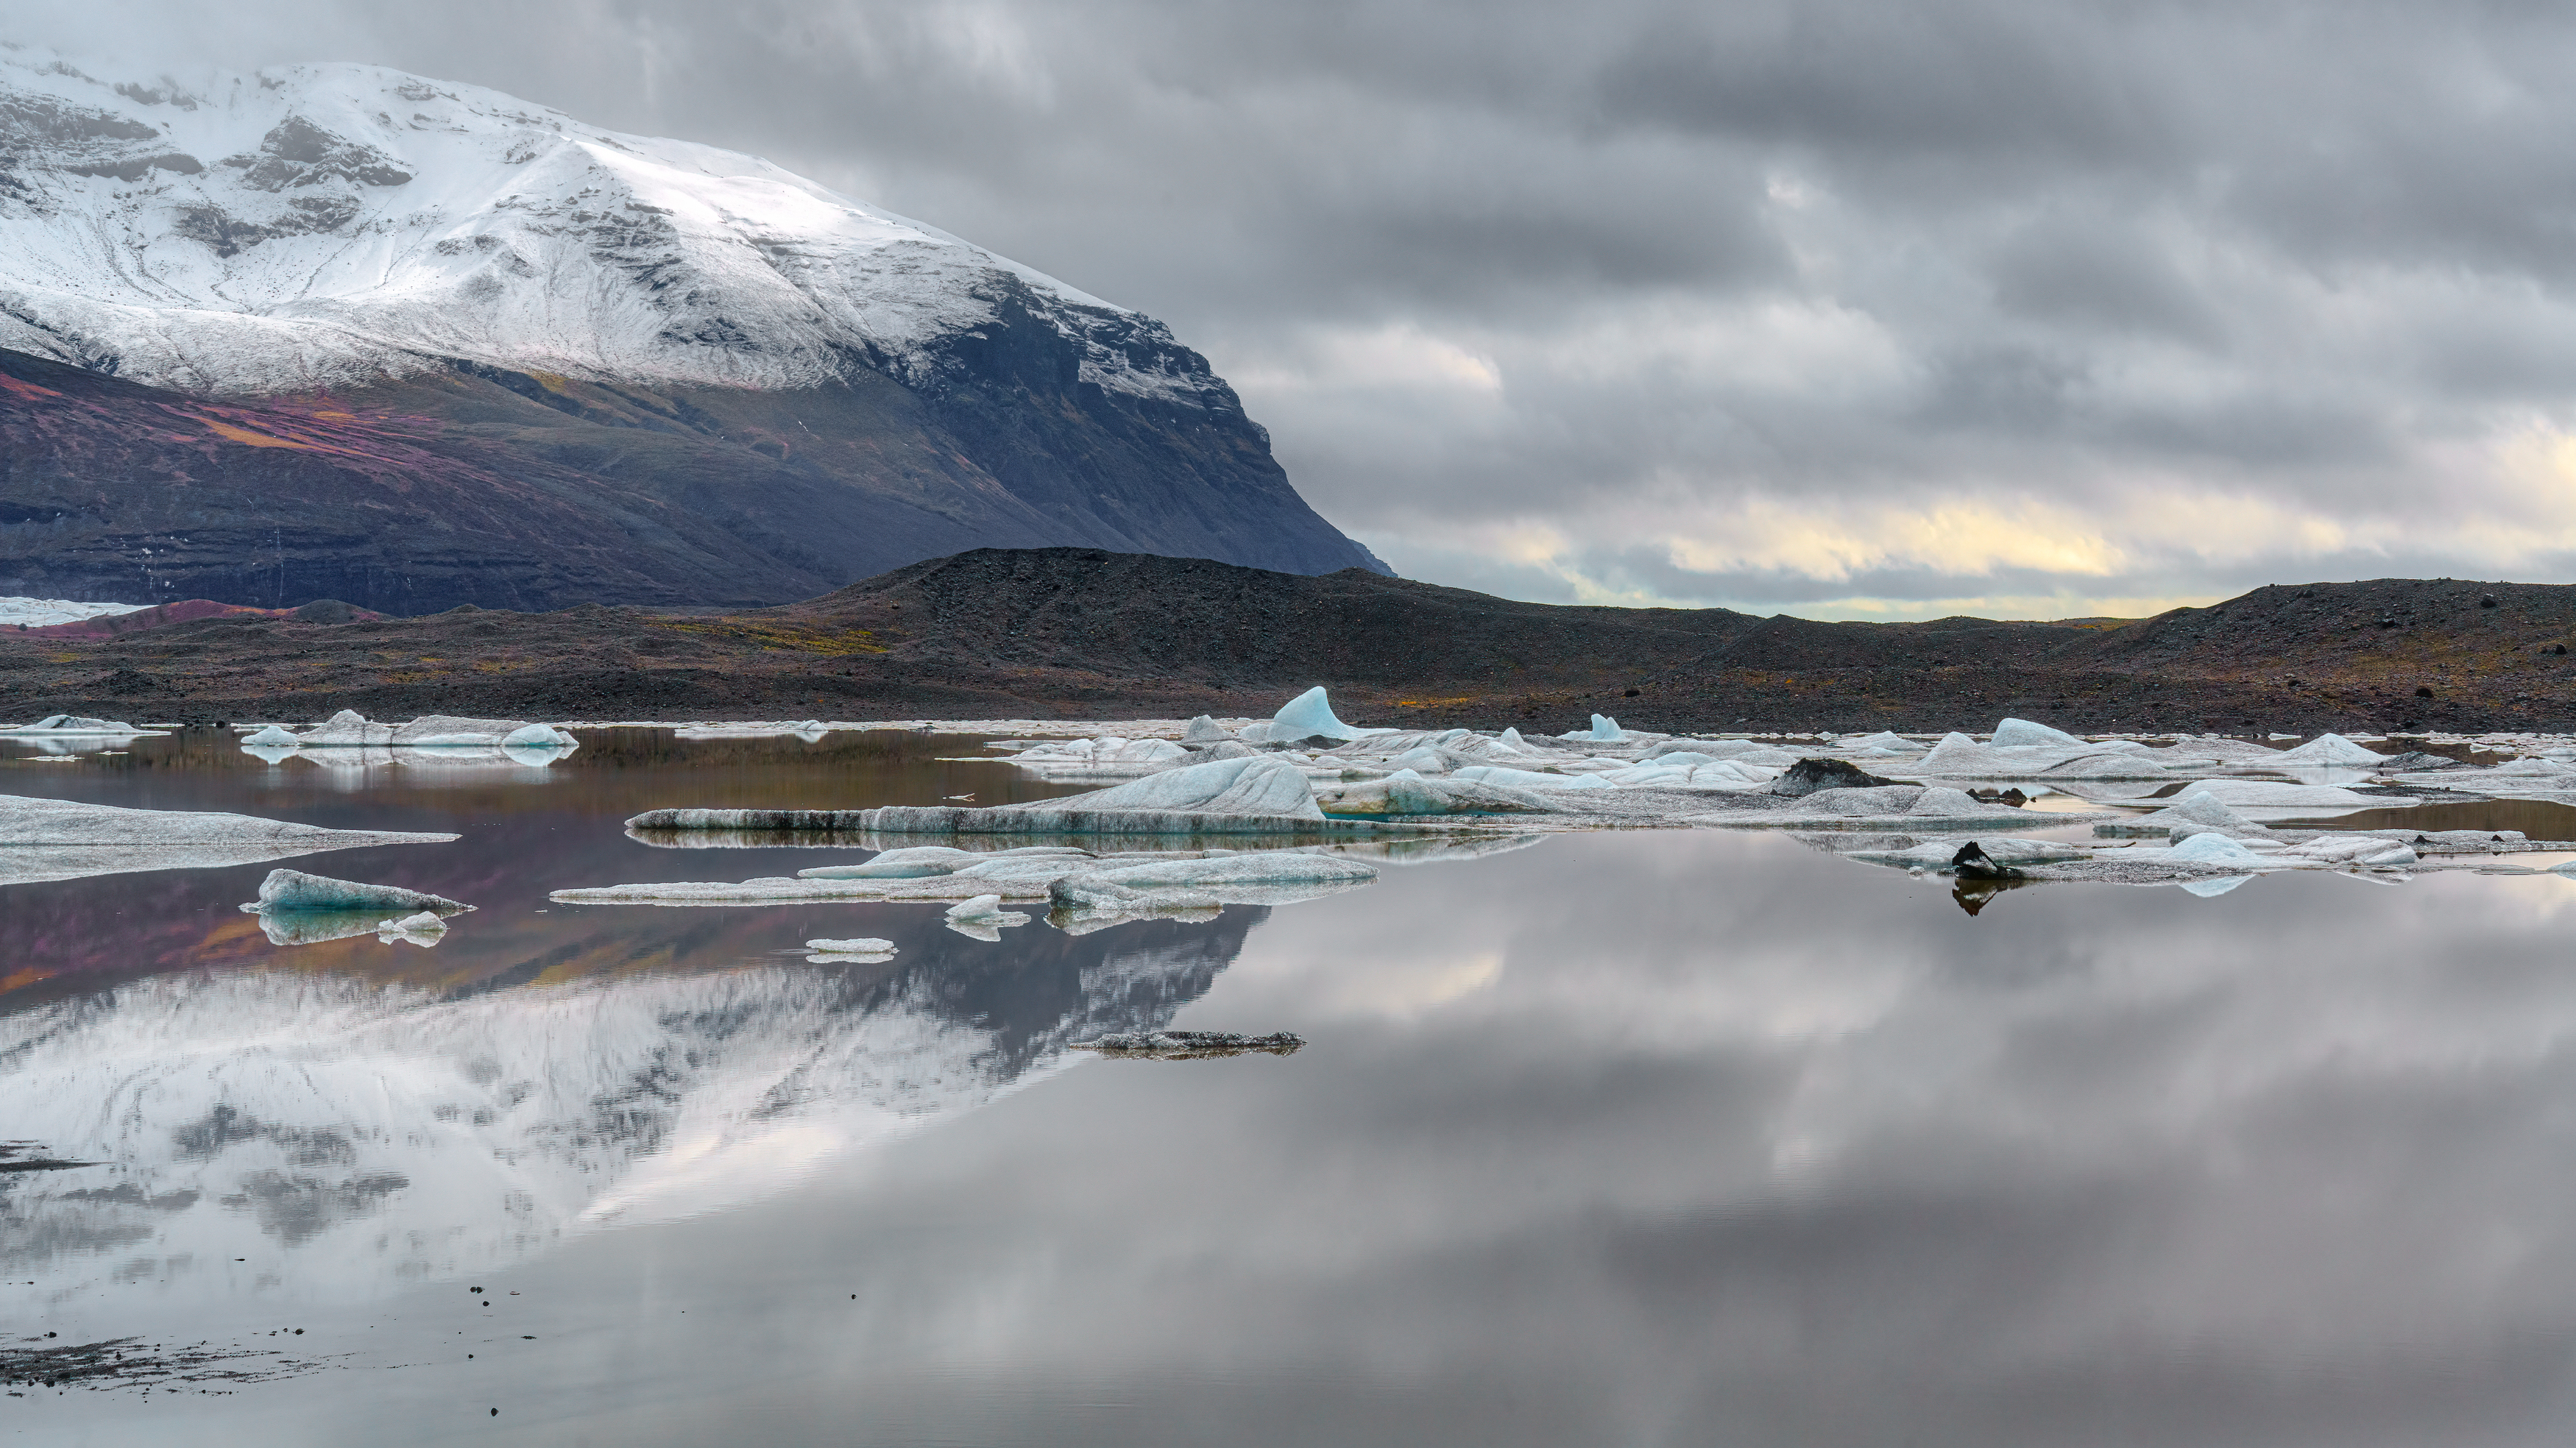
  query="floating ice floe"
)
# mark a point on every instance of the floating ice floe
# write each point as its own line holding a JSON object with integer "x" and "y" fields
{"x": 808, "y": 730}
{"x": 1604, "y": 730}
{"x": 423, "y": 929}
{"x": 2330, "y": 749}
{"x": 351, "y": 729}
{"x": 983, "y": 917}
{"x": 862, "y": 950}
{"x": 2188, "y": 815}
{"x": 295, "y": 890}
{"x": 77, "y": 726}
{"x": 1888, "y": 807}
{"x": 2272, "y": 799}
{"x": 2012, "y": 733}
{"x": 1106, "y": 757}
{"x": 59, "y": 839}
{"x": 1957, "y": 756}
{"x": 1068, "y": 877}
{"x": 271, "y": 737}
{"x": 1407, "y": 793}
{"x": 1260, "y": 794}
{"x": 1504, "y": 776}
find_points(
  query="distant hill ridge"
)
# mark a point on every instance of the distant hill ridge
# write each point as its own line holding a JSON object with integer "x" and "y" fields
{"x": 1065, "y": 632}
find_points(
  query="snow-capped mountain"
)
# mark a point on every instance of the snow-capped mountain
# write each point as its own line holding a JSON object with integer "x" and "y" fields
{"x": 348, "y": 1138}
{"x": 346, "y": 243}
{"x": 327, "y": 225}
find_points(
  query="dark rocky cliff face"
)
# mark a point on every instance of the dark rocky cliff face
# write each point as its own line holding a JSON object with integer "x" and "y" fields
{"x": 476, "y": 484}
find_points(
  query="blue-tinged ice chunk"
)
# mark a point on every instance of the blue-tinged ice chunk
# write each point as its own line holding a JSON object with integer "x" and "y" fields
{"x": 2012, "y": 733}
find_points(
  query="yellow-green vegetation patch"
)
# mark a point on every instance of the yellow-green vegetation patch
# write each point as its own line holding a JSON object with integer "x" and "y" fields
{"x": 781, "y": 637}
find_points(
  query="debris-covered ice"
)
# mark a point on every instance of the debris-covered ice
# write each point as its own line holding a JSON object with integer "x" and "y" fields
{"x": 350, "y": 729}
{"x": 295, "y": 890}
{"x": 77, "y": 726}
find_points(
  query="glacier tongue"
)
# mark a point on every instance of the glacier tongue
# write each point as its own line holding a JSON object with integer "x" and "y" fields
{"x": 323, "y": 225}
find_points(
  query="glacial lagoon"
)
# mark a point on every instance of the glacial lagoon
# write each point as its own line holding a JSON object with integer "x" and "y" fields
{"x": 1642, "y": 1136}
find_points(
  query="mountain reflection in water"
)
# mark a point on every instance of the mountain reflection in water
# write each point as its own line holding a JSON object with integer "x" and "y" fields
{"x": 383, "y": 1132}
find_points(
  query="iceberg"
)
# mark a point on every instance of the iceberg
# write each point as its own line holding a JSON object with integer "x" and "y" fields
{"x": 864, "y": 948}
{"x": 538, "y": 736}
{"x": 1204, "y": 730}
{"x": 1957, "y": 756}
{"x": 983, "y": 917}
{"x": 2289, "y": 799}
{"x": 2344, "y": 849}
{"x": 1260, "y": 794}
{"x": 2213, "y": 848}
{"x": 78, "y": 724}
{"x": 351, "y": 729}
{"x": 2189, "y": 814}
{"x": 1510, "y": 778}
{"x": 1266, "y": 877}
{"x": 294, "y": 890}
{"x": 271, "y": 737}
{"x": 423, "y": 929}
{"x": 60, "y": 839}
{"x": 1109, "y": 753}
{"x": 1308, "y": 716}
{"x": 1408, "y": 793}
{"x": 2330, "y": 749}
{"x": 2013, "y": 733}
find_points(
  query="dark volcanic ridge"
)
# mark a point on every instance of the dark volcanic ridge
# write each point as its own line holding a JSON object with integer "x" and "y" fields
{"x": 1081, "y": 633}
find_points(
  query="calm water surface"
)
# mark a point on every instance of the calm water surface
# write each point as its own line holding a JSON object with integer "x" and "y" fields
{"x": 1633, "y": 1138}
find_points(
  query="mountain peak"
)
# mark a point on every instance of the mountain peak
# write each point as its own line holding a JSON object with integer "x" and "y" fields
{"x": 341, "y": 223}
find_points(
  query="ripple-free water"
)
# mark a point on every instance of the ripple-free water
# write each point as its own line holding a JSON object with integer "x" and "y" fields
{"x": 1652, "y": 1137}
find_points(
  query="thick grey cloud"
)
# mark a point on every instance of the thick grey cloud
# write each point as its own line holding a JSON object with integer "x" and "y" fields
{"x": 1854, "y": 306}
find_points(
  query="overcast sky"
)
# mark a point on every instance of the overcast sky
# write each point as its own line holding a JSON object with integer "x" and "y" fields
{"x": 1849, "y": 308}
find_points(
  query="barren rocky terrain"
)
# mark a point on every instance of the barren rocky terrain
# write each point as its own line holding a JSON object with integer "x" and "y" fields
{"x": 1068, "y": 632}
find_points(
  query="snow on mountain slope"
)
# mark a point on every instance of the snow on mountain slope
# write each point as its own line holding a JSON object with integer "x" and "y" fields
{"x": 351, "y": 1138}
{"x": 327, "y": 225}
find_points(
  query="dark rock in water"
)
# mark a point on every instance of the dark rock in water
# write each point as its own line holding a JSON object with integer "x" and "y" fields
{"x": 14, "y": 1157}
{"x": 1972, "y": 896}
{"x": 2013, "y": 797}
{"x": 1191, "y": 1045}
{"x": 1972, "y": 863}
{"x": 1809, "y": 775}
